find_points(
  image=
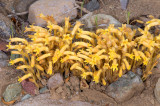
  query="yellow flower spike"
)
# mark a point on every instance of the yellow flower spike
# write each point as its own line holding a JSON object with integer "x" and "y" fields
{"x": 96, "y": 76}
{"x": 114, "y": 65}
{"x": 101, "y": 52}
{"x": 71, "y": 58}
{"x": 120, "y": 72}
{"x": 78, "y": 68}
{"x": 49, "y": 71}
{"x": 53, "y": 27}
{"x": 23, "y": 67}
{"x": 16, "y": 60}
{"x": 24, "y": 77}
{"x": 78, "y": 24}
{"x": 33, "y": 61}
{"x": 131, "y": 56}
{"x": 104, "y": 82}
{"x": 86, "y": 37}
{"x": 124, "y": 42}
{"x": 126, "y": 64}
{"x": 137, "y": 57}
{"x": 66, "y": 24}
{"x": 106, "y": 66}
{"x": 83, "y": 44}
{"x": 19, "y": 40}
{"x": 67, "y": 37}
{"x": 64, "y": 48}
{"x": 85, "y": 74}
{"x": 69, "y": 53}
{"x": 83, "y": 56}
{"x": 74, "y": 66}
{"x": 44, "y": 56}
{"x": 38, "y": 40}
{"x": 104, "y": 57}
{"x": 113, "y": 54}
{"x": 39, "y": 67}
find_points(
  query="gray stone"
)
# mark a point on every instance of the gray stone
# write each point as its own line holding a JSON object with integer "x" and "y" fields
{"x": 124, "y": 4}
{"x": 6, "y": 27}
{"x": 23, "y": 6}
{"x": 157, "y": 90}
{"x": 92, "y": 5}
{"x": 27, "y": 96}
{"x": 45, "y": 100}
{"x": 125, "y": 87}
{"x": 3, "y": 59}
{"x": 55, "y": 81}
{"x": 43, "y": 90}
{"x": 58, "y": 8}
{"x": 100, "y": 20}
{"x": 12, "y": 91}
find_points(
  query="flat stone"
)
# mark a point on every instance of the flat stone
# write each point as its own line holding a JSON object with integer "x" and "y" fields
{"x": 125, "y": 87}
{"x": 45, "y": 100}
{"x": 55, "y": 81}
{"x": 58, "y": 8}
{"x": 12, "y": 91}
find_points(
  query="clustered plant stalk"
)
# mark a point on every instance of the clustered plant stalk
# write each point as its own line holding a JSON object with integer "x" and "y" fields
{"x": 103, "y": 56}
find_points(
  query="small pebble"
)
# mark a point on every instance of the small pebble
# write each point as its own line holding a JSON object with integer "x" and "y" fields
{"x": 43, "y": 90}
{"x": 27, "y": 96}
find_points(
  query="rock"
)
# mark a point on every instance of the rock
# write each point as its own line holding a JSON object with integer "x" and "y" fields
{"x": 12, "y": 91}
{"x": 75, "y": 82}
{"x": 125, "y": 87}
{"x": 59, "y": 90}
{"x": 29, "y": 87}
{"x": 43, "y": 90}
{"x": 9, "y": 5}
{"x": 27, "y": 96}
{"x": 6, "y": 27}
{"x": 23, "y": 6}
{"x": 8, "y": 76}
{"x": 3, "y": 59}
{"x": 139, "y": 72}
{"x": 100, "y": 20}
{"x": 157, "y": 90}
{"x": 45, "y": 100}
{"x": 92, "y": 5}
{"x": 55, "y": 81}
{"x": 58, "y": 8}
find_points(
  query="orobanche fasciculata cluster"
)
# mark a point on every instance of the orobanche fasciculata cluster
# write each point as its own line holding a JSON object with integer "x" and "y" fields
{"x": 103, "y": 56}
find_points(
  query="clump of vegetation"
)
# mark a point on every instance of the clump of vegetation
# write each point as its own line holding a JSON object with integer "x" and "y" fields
{"x": 103, "y": 56}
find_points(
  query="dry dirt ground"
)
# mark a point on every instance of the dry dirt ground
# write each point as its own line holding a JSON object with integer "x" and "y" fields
{"x": 135, "y": 7}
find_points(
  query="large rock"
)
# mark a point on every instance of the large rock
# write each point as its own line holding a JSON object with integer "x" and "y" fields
{"x": 55, "y": 81}
{"x": 92, "y": 5}
{"x": 45, "y": 100}
{"x": 12, "y": 91}
{"x": 6, "y": 27}
{"x": 125, "y": 87}
{"x": 157, "y": 90}
{"x": 101, "y": 20}
{"x": 23, "y": 6}
{"x": 58, "y": 8}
